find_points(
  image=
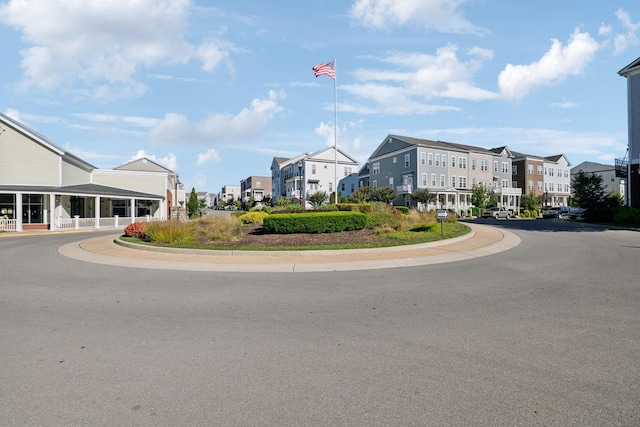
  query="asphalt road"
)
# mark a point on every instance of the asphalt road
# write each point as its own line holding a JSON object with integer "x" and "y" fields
{"x": 546, "y": 334}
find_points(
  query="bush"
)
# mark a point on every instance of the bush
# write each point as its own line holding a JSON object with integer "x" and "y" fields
{"x": 254, "y": 217}
{"x": 525, "y": 214}
{"x": 170, "y": 232}
{"x": 136, "y": 229}
{"x": 626, "y": 215}
{"x": 365, "y": 208}
{"x": 402, "y": 209}
{"x": 216, "y": 229}
{"x": 315, "y": 222}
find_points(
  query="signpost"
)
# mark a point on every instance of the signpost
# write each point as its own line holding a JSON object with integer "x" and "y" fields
{"x": 442, "y": 215}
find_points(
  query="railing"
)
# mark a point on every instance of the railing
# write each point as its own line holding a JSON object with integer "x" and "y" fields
{"x": 622, "y": 168}
{"x": 406, "y": 188}
{"x": 7, "y": 224}
{"x": 77, "y": 223}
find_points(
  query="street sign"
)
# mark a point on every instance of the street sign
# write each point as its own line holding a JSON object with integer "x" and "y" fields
{"x": 442, "y": 214}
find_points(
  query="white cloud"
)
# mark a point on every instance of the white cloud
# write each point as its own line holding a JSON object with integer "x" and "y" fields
{"x": 169, "y": 161}
{"x": 418, "y": 77}
{"x": 439, "y": 15}
{"x": 103, "y": 43}
{"x": 621, "y": 42}
{"x": 218, "y": 128}
{"x": 560, "y": 62}
{"x": 207, "y": 156}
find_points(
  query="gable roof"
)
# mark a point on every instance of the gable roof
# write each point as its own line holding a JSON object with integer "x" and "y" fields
{"x": 45, "y": 142}
{"x": 632, "y": 68}
{"x": 143, "y": 164}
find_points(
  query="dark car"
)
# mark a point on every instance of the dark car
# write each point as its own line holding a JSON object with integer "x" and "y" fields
{"x": 557, "y": 212}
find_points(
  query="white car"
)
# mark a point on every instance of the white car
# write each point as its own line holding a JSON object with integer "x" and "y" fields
{"x": 496, "y": 213}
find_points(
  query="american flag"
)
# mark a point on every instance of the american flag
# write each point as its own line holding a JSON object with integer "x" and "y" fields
{"x": 327, "y": 69}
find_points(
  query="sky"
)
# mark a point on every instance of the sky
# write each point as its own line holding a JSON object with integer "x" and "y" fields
{"x": 214, "y": 90}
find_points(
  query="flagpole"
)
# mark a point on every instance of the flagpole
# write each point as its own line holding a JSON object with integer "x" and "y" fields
{"x": 335, "y": 130}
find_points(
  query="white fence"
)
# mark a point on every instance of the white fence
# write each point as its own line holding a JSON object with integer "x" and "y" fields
{"x": 7, "y": 224}
{"x": 77, "y": 223}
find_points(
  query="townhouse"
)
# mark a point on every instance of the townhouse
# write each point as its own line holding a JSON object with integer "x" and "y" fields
{"x": 299, "y": 177}
{"x": 548, "y": 178}
{"x": 255, "y": 187}
{"x": 446, "y": 169}
{"x": 629, "y": 167}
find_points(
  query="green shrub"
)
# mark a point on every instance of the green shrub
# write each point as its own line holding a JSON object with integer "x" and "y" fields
{"x": 314, "y": 222}
{"x": 534, "y": 213}
{"x": 402, "y": 209}
{"x": 525, "y": 213}
{"x": 255, "y": 217}
{"x": 626, "y": 215}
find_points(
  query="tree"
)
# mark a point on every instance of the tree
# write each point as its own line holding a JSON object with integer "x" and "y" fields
{"x": 479, "y": 197}
{"x": 588, "y": 189}
{"x": 423, "y": 195}
{"x": 385, "y": 194}
{"x": 361, "y": 195}
{"x": 530, "y": 201}
{"x": 192, "y": 204}
{"x": 318, "y": 198}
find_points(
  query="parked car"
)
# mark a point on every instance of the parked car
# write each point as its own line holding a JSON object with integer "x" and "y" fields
{"x": 557, "y": 212}
{"x": 496, "y": 213}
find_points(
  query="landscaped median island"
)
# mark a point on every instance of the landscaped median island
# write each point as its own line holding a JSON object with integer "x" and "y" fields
{"x": 353, "y": 226}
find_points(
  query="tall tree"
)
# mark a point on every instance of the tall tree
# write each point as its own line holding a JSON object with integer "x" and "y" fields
{"x": 361, "y": 195}
{"x": 193, "y": 203}
{"x": 479, "y": 197}
{"x": 530, "y": 201}
{"x": 588, "y": 189}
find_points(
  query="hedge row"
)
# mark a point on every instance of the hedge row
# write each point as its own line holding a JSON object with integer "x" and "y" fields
{"x": 314, "y": 222}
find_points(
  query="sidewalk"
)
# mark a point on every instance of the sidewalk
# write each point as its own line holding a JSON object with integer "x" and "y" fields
{"x": 483, "y": 240}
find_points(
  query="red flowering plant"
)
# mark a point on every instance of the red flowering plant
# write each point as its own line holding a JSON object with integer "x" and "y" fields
{"x": 136, "y": 229}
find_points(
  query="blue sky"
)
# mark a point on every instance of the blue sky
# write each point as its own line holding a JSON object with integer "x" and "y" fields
{"x": 214, "y": 89}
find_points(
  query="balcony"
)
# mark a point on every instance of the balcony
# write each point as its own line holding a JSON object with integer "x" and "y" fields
{"x": 404, "y": 189}
{"x": 622, "y": 168}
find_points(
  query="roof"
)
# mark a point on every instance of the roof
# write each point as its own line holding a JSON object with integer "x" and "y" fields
{"x": 42, "y": 140}
{"x": 82, "y": 189}
{"x": 634, "y": 66}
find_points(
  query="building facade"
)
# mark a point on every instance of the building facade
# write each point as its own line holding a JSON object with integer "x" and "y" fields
{"x": 632, "y": 162}
{"x": 257, "y": 188}
{"x": 43, "y": 187}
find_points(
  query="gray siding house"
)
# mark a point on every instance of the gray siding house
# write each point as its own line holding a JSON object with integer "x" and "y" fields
{"x": 632, "y": 74}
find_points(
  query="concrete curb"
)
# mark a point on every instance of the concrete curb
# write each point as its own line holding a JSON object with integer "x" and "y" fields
{"x": 482, "y": 241}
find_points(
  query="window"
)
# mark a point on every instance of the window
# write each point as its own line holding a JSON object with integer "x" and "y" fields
{"x": 444, "y": 160}
{"x": 530, "y": 186}
{"x": 347, "y": 170}
{"x": 539, "y": 185}
{"x": 433, "y": 179}
{"x": 395, "y": 160}
{"x": 375, "y": 184}
{"x": 514, "y": 170}
{"x": 453, "y": 161}
{"x": 423, "y": 158}
{"x": 442, "y": 181}
{"x": 505, "y": 167}
{"x": 551, "y": 186}
{"x": 473, "y": 182}
{"x": 390, "y": 182}
{"x": 407, "y": 160}
{"x": 545, "y": 171}
{"x": 473, "y": 164}
{"x": 495, "y": 166}
{"x": 438, "y": 160}
{"x": 453, "y": 181}
{"x": 313, "y": 169}
{"x": 505, "y": 183}
{"x": 484, "y": 165}
{"x": 424, "y": 180}
{"x": 375, "y": 168}
{"x": 342, "y": 187}
{"x": 463, "y": 182}
{"x": 540, "y": 170}
{"x": 430, "y": 159}
{"x": 550, "y": 171}
{"x": 566, "y": 173}
{"x": 462, "y": 163}
{"x": 530, "y": 169}
{"x": 330, "y": 187}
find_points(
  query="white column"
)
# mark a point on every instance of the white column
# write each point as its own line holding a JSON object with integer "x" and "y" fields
{"x": 133, "y": 210}
{"x": 18, "y": 213}
{"x": 52, "y": 212}
{"x": 97, "y": 203}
